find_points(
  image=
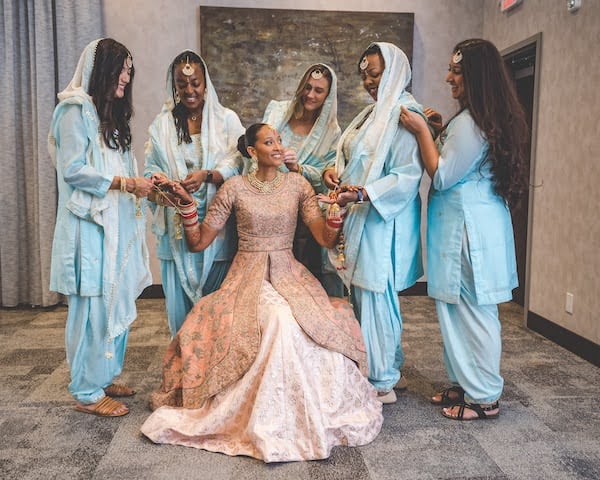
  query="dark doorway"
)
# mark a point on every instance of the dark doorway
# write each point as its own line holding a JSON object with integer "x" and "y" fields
{"x": 521, "y": 61}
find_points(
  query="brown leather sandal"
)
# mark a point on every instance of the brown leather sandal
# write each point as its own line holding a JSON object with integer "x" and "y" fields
{"x": 105, "y": 407}
{"x": 119, "y": 390}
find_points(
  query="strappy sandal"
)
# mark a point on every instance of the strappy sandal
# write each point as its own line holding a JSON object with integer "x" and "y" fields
{"x": 105, "y": 407}
{"x": 448, "y": 400}
{"x": 479, "y": 409}
{"x": 119, "y": 390}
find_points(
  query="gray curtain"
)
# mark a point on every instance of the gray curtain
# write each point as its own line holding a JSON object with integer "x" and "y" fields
{"x": 41, "y": 43}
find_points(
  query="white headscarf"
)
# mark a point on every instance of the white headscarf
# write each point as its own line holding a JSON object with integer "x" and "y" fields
{"x": 326, "y": 129}
{"x": 383, "y": 125}
{"x": 80, "y": 83}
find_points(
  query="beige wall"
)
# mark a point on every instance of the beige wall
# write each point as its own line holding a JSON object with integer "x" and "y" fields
{"x": 565, "y": 236}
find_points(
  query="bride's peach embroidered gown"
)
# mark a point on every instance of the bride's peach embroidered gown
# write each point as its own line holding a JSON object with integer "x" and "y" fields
{"x": 266, "y": 366}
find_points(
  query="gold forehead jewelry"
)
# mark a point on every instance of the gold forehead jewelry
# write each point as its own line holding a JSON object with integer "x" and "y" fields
{"x": 457, "y": 58}
{"x": 364, "y": 63}
{"x": 317, "y": 73}
{"x": 129, "y": 61}
{"x": 187, "y": 70}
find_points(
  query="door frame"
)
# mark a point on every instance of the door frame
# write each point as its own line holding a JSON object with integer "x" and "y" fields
{"x": 537, "y": 41}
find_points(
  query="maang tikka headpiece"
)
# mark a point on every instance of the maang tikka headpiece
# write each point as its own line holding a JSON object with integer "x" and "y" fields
{"x": 317, "y": 73}
{"x": 457, "y": 58}
{"x": 364, "y": 63}
{"x": 129, "y": 61}
{"x": 187, "y": 70}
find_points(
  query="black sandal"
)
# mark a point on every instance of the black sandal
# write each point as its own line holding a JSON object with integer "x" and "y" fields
{"x": 446, "y": 401}
{"x": 479, "y": 409}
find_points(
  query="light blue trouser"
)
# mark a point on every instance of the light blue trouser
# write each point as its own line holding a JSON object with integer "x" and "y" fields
{"x": 381, "y": 325}
{"x": 472, "y": 340}
{"x": 93, "y": 360}
{"x": 177, "y": 302}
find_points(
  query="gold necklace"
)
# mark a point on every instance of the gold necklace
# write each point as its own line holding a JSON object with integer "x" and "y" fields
{"x": 268, "y": 186}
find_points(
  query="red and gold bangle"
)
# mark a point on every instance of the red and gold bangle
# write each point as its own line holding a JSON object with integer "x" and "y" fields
{"x": 334, "y": 222}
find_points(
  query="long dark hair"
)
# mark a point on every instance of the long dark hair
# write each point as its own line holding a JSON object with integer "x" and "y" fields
{"x": 491, "y": 98}
{"x": 180, "y": 112}
{"x": 114, "y": 113}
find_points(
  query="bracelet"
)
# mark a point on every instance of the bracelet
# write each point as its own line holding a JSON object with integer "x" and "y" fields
{"x": 359, "y": 193}
{"x": 334, "y": 223}
{"x": 187, "y": 226}
{"x": 300, "y": 169}
{"x": 123, "y": 184}
{"x": 187, "y": 210}
{"x": 209, "y": 177}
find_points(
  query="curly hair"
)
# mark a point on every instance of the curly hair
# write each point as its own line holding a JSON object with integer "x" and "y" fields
{"x": 492, "y": 101}
{"x": 180, "y": 112}
{"x": 114, "y": 113}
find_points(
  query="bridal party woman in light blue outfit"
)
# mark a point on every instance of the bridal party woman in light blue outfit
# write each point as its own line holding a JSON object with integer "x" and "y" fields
{"x": 309, "y": 131}
{"x": 99, "y": 255}
{"x": 193, "y": 140}
{"x": 380, "y": 159}
{"x": 476, "y": 166}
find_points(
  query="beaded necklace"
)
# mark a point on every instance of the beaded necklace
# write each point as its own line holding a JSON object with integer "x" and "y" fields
{"x": 268, "y": 186}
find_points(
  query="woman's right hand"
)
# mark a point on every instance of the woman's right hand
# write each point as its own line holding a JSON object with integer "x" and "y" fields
{"x": 174, "y": 192}
{"x": 412, "y": 121}
{"x": 143, "y": 186}
{"x": 330, "y": 178}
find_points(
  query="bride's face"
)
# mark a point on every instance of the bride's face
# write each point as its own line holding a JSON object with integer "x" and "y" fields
{"x": 268, "y": 149}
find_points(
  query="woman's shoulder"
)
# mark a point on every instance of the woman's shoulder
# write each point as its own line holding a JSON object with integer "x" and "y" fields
{"x": 465, "y": 123}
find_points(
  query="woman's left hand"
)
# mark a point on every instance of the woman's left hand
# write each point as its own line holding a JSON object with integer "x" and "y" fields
{"x": 291, "y": 160}
{"x": 170, "y": 192}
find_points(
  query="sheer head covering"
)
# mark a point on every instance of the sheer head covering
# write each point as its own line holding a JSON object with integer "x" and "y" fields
{"x": 324, "y": 132}
{"x": 80, "y": 83}
{"x": 381, "y": 128}
{"x": 214, "y": 118}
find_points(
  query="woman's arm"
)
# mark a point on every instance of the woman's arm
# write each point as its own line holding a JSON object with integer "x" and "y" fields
{"x": 326, "y": 233}
{"x": 198, "y": 236}
{"x": 416, "y": 124}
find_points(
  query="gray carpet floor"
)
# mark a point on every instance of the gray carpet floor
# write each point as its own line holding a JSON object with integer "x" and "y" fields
{"x": 549, "y": 427}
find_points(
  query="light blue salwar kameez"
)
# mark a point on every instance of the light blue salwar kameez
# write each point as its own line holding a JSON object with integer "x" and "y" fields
{"x": 471, "y": 264}
{"x": 99, "y": 255}
{"x": 315, "y": 152}
{"x": 382, "y": 236}
{"x": 187, "y": 276}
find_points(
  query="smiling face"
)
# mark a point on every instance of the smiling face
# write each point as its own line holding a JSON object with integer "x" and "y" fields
{"x": 190, "y": 88}
{"x": 371, "y": 76}
{"x": 456, "y": 81}
{"x": 314, "y": 94}
{"x": 124, "y": 78}
{"x": 267, "y": 149}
